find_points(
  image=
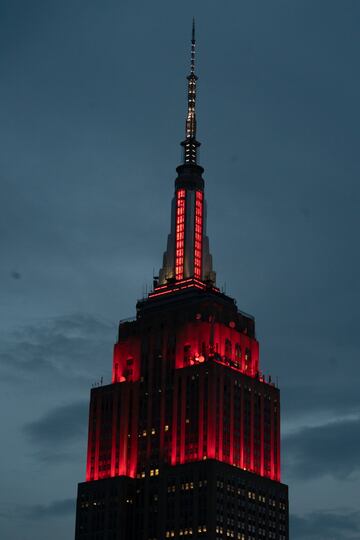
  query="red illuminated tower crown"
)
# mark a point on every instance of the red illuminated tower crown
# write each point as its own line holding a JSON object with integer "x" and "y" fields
{"x": 199, "y": 328}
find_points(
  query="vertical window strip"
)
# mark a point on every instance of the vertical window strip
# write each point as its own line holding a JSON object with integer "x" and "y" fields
{"x": 180, "y": 234}
{"x": 198, "y": 234}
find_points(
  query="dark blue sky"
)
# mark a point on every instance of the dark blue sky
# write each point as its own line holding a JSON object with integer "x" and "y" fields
{"x": 92, "y": 108}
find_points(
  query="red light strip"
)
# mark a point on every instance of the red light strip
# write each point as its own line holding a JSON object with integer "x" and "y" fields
{"x": 198, "y": 234}
{"x": 180, "y": 234}
{"x": 183, "y": 284}
{"x": 191, "y": 285}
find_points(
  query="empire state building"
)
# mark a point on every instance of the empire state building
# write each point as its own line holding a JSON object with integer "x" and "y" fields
{"x": 185, "y": 441}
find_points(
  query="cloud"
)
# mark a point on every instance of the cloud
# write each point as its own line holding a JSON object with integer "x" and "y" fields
{"x": 58, "y": 508}
{"x": 331, "y": 449}
{"x": 60, "y": 426}
{"x": 54, "y": 509}
{"x": 72, "y": 347}
{"x": 60, "y": 434}
{"x": 338, "y": 525}
{"x": 15, "y": 275}
{"x": 327, "y": 395}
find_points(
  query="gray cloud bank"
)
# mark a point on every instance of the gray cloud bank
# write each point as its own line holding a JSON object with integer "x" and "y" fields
{"x": 71, "y": 347}
{"x": 54, "y": 509}
{"x": 60, "y": 425}
{"x": 336, "y": 525}
{"x": 331, "y": 449}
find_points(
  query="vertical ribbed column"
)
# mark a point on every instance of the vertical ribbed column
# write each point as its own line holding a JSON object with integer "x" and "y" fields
{"x": 272, "y": 440}
{"x": 174, "y": 427}
{"x": 114, "y": 470}
{"x": 231, "y": 457}
{"x": 133, "y": 461}
{"x": 242, "y": 420}
{"x": 211, "y": 416}
{"x": 97, "y": 437}
{"x": 124, "y": 429}
{"x": 278, "y": 442}
{"x": 200, "y": 448}
{"x": 262, "y": 428}
{"x": 91, "y": 435}
{"x": 221, "y": 414}
{"x": 183, "y": 419}
{"x": 252, "y": 431}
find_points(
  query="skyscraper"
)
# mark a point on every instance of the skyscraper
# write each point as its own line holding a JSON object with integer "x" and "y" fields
{"x": 185, "y": 441}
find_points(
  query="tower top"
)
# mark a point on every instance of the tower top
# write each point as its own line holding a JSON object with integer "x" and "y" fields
{"x": 193, "y": 43}
{"x": 190, "y": 144}
{"x": 187, "y": 261}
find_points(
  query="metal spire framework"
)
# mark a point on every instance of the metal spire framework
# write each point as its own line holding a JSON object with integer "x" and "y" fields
{"x": 190, "y": 143}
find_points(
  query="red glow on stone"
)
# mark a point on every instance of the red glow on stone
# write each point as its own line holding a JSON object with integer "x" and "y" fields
{"x": 126, "y": 363}
{"x": 211, "y": 356}
{"x": 225, "y": 345}
{"x": 113, "y": 416}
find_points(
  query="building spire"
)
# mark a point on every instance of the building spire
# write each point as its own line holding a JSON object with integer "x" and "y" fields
{"x": 187, "y": 256}
{"x": 193, "y": 43}
{"x": 190, "y": 143}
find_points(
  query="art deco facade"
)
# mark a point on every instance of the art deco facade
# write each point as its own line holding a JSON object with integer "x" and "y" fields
{"x": 185, "y": 441}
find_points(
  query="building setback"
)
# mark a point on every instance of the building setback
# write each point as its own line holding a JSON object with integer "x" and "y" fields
{"x": 185, "y": 441}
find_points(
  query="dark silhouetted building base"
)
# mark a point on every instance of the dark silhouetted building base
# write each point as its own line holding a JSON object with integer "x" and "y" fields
{"x": 208, "y": 500}
{"x": 105, "y": 509}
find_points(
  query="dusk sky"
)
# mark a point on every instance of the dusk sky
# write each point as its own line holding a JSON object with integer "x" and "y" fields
{"x": 92, "y": 111}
